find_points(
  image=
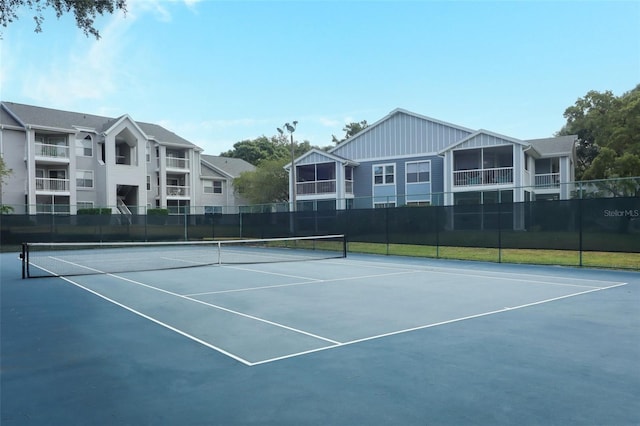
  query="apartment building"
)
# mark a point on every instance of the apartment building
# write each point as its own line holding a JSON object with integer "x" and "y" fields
{"x": 410, "y": 159}
{"x": 63, "y": 161}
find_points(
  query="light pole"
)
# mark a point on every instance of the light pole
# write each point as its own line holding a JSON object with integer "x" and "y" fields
{"x": 291, "y": 128}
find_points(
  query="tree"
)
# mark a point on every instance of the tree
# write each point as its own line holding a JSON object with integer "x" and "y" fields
{"x": 602, "y": 120}
{"x": 350, "y": 130}
{"x": 259, "y": 149}
{"x": 85, "y": 11}
{"x": 4, "y": 172}
{"x": 269, "y": 183}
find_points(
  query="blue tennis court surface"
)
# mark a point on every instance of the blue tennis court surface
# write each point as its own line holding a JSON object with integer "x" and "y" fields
{"x": 362, "y": 340}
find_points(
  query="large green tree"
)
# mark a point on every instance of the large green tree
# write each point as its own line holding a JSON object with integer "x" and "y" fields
{"x": 257, "y": 150}
{"x": 85, "y": 11}
{"x": 269, "y": 183}
{"x": 608, "y": 130}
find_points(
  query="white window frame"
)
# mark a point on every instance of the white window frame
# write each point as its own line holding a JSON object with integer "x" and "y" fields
{"x": 384, "y": 174}
{"x": 84, "y": 178}
{"x": 408, "y": 163}
{"x": 84, "y": 205}
{"x": 81, "y": 147}
{"x": 384, "y": 204}
{"x": 215, "y": 187}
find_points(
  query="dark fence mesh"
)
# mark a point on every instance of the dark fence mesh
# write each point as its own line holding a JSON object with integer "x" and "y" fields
{"x": 605, "y": 224}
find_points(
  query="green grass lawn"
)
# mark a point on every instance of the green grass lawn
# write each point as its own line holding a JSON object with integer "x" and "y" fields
{"x": 529, "y": 256}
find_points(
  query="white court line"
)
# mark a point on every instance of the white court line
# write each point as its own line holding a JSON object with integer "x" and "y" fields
{"x": 314, "y": 281}
{"x": 160, "y": 323}
{"x": 225, "y": 309}
{"x": 422, "y": 327}
{"x": 488, "y": 274}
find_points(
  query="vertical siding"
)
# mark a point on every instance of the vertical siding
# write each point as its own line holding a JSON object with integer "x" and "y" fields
{"x": 401, "y": 135}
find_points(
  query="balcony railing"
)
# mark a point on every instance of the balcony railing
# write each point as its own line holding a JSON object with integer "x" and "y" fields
{"x": 496, "y": 176}
{"x": 547, "y": 180}
{"x": 177, "y": 163}
{"x": 316, "y": 187}
{"x": 348, "y": 186}
{"x": 177, "y": 191}
{"x": 53, "y": 151}
{"x": 52, "y": 185}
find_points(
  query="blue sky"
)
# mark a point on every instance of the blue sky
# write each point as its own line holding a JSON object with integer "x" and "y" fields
{"x": 218, "y": 72}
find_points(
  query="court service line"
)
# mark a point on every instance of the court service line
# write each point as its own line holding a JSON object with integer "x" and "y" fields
{"x": 422, "y": 327}
{"x": 156, "y": 321}
{"x": 315, "y": 281}
{"x": 222, "y": 308}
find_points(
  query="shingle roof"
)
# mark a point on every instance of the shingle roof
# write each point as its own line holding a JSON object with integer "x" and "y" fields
{"x": 48, "y": 117}
{"x": 231, "y": 166}
{"x": 554, "y": 146}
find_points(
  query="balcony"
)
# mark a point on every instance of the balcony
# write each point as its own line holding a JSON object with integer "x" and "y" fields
{"x": 177, "y": 163}
{"x": 479, "y": 177}
{"x": 52, "y": 185}
{"x": 177, "y": 191}
{"x": 51, "y": 151}
{"x": 547, "y": 180}
{"x": 316, "y": 187}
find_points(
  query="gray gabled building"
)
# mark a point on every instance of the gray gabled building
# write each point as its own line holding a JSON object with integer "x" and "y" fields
{"x": 62, "y": 161}
{"x": 410, "y": 159}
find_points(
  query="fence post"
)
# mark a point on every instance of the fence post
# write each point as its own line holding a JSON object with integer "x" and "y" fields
{"x": 580, "y": 229}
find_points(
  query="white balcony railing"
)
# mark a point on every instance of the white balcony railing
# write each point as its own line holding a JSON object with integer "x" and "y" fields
{"x": 177, "y": 163}
{"x": 177, "y": 191}
{"x": 348, "y": 186}
{"x": 52, "y": 185}
{"x": 496, "y": 176}
{"x": 316, "y": 187}
{"x": 53, "y": 151}
{"x": 547, "y": 180}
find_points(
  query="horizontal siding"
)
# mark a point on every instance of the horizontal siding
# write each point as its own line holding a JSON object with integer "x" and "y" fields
{"x": 401, "y": 135}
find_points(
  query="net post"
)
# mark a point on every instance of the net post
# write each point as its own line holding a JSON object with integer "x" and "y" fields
{"x": 24, "y": 257}
{"x": 344, "y": 245}
{"x": 219, "y": 253}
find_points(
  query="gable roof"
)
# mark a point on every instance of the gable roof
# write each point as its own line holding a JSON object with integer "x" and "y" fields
{"x": 231, "y": 167}
{"x": 40, "y": 117}
{"x": 397, "y": 111}
{"x": 484, "y": 134}
{"x": 319, "y": 154}
{"x": 559, "y": 145}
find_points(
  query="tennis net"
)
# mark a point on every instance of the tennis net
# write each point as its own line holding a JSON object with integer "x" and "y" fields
{"x": 67, "y": 259}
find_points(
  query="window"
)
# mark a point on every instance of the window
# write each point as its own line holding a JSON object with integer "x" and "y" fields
{"x": 384, "y": 174}
{"x": 384, "y": 205}
{"x": 84, "y": 205}
{"x": 212, "y": 209}
{"x": 84, "y": 147}
{"x": 148, "y": 183}
{"x": 213, "y": 187}
{"x": 418, "y": 172}
{"x": 84, "y": 178}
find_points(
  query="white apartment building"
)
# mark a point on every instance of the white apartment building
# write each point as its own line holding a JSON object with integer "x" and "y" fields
{"x": 63, "y": 161}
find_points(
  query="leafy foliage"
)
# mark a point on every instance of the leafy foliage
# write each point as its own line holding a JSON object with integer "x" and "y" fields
{"x": 257, "y": 150}
{"x": 608, "y": 130}
{"x": 350, "y": 130}
{"x": 4, "y": 172}
{"x": 269, "y": 183}
{"x": 85, "y": 11}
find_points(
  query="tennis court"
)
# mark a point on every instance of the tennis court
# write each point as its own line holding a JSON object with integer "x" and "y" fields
{"x": 356, "y": 340}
